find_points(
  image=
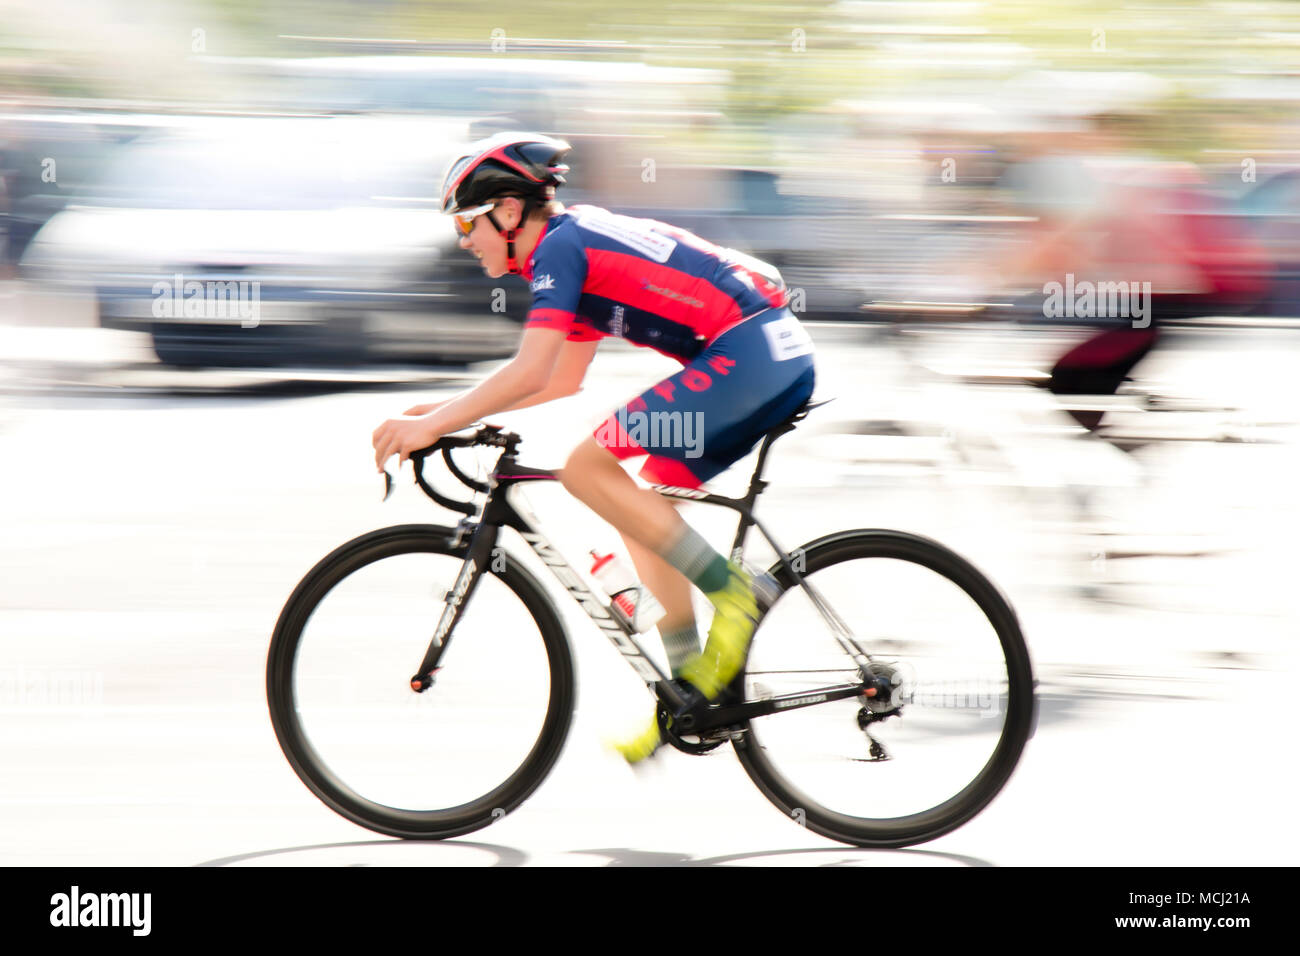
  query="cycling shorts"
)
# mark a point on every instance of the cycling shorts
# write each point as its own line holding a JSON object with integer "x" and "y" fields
{"x": 697, "y": 423}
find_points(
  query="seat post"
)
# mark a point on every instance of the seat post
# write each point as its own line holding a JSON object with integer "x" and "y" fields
{"x": 756, "y": 482}
{"x": 756, "y": 486}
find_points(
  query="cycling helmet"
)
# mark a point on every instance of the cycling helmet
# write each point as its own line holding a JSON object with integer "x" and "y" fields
{"x": 524, "y": 164}
{"x": 516, "y": 164}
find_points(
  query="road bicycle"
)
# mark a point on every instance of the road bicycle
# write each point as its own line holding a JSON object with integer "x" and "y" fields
{"x": 421, "y": 683}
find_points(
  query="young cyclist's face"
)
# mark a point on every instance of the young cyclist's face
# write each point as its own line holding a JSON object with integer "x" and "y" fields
{"x": 488, "y": 244}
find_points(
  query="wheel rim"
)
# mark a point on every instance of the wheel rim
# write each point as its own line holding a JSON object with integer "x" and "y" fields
{"x": 371, "y": 746}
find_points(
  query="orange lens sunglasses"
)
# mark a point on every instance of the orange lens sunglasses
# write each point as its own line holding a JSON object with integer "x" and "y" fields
{"x": 465, "y": 220}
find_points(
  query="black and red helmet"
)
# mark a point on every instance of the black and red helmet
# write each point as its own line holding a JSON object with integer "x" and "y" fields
{"x": 525, "y": 164}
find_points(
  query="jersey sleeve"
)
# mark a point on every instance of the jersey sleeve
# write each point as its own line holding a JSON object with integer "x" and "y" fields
{"x": 559, "y": 271}
{"x": 583, "y": 331}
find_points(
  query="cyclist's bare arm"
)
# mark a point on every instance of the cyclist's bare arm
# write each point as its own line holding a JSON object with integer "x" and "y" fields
{"x": 566, "y": 379}
{"x": 523, "y": 377}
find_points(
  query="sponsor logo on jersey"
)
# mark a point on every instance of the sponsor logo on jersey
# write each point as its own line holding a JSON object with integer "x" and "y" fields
{"x": 671, "y": 294}
{"x": 631, "y": 232}
{"x": 616, "y": 322}
{"x": 542, "y": 282}
{"x": 787, "y": 339}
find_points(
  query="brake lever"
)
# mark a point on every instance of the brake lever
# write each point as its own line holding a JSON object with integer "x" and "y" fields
{"x": 446, "y": 454}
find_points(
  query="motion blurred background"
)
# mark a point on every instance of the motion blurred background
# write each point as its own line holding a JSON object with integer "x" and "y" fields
{"x": 1050, "y": 254}
{"x": 874, "y": 151}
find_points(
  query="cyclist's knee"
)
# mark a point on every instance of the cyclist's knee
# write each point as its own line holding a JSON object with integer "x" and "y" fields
{"x": 584, "y": 464}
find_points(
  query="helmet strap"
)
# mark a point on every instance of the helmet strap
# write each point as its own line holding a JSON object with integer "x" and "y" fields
{"x": 510, "y": 235}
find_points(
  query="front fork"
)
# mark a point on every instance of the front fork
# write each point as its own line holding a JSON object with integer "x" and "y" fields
{"x": 482, "y": 543}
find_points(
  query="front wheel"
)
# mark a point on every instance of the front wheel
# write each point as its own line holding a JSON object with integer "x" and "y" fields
{"x": 428, "y": 765}
{"x": 962, "y": 692}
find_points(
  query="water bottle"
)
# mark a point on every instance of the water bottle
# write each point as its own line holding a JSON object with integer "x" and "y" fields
{"x": 633, "y": 604}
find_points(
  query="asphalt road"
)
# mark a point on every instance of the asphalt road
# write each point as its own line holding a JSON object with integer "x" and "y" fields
{"x": 154, "y": 523}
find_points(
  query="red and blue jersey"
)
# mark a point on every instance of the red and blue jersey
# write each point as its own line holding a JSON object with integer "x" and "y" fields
{"x": 595, "y": 273}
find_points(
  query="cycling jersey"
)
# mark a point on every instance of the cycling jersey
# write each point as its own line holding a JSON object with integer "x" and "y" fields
{"x": 594, "y": 273}
{"x": 723, "y": 315}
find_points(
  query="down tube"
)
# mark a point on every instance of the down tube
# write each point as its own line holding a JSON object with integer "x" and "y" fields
{"x": 619, "y": 634}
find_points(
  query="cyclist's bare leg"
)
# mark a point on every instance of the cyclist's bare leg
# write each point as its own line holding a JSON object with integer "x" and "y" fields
{"x": 677, "y": 628}
{"x": 666, "y": 583}
{"x": 595, "y": 477}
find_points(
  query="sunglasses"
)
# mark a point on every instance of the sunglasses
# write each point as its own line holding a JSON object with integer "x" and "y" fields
{"x": 465, "y": 220}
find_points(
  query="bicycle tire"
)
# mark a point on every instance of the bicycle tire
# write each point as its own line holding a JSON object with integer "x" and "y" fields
{"x": 361, "y": 554}
{"x": 917, "y": 554}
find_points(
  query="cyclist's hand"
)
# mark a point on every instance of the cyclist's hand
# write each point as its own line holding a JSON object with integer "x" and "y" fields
{"x": 399, "y": 436}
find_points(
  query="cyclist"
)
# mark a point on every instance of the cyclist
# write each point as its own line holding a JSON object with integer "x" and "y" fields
{"x": 747, "y": 366}
{"x": 1106, "y": 212}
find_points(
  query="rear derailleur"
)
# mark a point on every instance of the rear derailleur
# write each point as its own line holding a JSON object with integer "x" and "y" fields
{"x": 886, "y": 681}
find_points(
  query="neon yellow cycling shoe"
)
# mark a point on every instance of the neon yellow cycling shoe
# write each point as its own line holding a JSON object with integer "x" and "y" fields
{"x": 638, "y": 748}
{"x": 734, "y": 618}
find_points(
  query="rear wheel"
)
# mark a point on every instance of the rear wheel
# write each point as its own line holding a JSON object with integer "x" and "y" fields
{"x": 962, "y": 692}
{"x": 428, "y": 765}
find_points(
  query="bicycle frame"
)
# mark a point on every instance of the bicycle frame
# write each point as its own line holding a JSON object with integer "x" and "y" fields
{"x": 505, "y": 508}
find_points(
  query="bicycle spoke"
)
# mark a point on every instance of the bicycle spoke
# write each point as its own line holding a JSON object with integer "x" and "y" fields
{"x": 393, "y": 746}
{"x": 952, "y": 691}
{"x": 434, "y": 763}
